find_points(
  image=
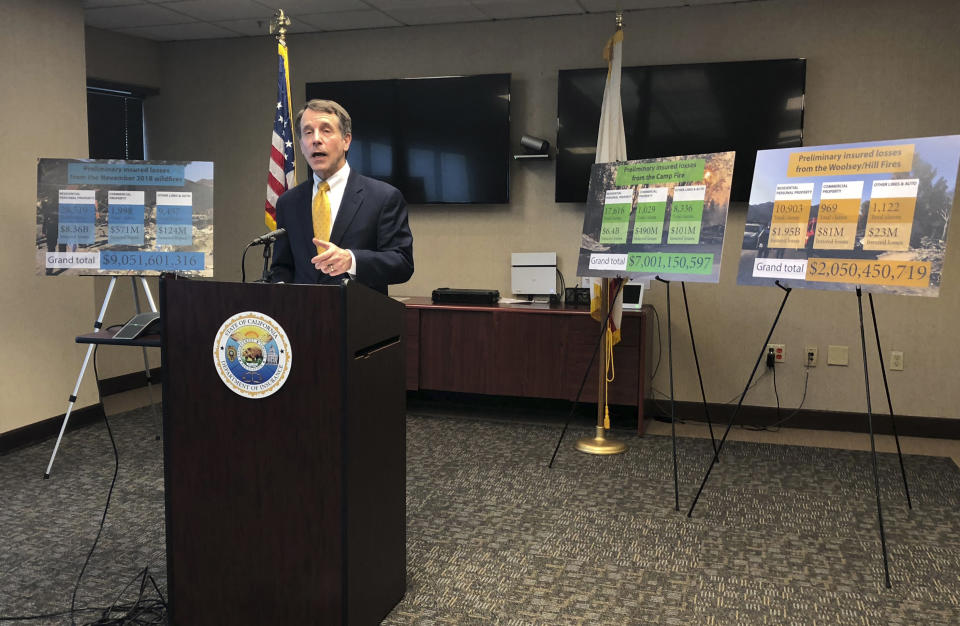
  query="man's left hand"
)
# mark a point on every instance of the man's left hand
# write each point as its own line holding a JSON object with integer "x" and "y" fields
{"x": 333, "y": 261}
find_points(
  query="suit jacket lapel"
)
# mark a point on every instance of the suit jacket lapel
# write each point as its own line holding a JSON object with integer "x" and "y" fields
{"x": 349, "y": 205}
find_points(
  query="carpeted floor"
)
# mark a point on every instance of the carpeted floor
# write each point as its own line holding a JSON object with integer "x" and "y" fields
{"x": 781, "y": 534}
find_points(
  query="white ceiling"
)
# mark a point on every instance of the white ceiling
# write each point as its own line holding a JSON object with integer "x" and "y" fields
{"x": 170, "y": 20}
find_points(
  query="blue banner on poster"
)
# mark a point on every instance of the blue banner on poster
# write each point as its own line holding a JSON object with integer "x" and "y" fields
{"x": 125, "y": 174}
{"x": 152, "y": 261}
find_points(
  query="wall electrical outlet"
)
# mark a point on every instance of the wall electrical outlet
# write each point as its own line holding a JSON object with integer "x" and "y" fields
{"x": 779, "y": 351}
{"x": 896, "y": 360}
{"x": 811, "y": 352}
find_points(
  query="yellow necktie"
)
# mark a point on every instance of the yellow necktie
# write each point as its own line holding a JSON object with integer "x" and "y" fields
{"x": 321, "y": 214}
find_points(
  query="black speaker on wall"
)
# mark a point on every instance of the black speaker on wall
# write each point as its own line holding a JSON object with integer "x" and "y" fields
{"x": 535, "y": 145}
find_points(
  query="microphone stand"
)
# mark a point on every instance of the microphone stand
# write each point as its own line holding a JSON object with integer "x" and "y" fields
{"x": 266, "y": 241}
{"x": 267, "y": 253}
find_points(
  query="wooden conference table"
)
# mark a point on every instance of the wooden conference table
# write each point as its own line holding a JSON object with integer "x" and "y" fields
{"x": 524, "y": 350}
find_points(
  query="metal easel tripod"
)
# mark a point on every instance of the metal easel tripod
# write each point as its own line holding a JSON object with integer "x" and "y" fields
{"x": 703, "y": 394}
{"x": 90, "y": 348}
{"x": 873, "y": 449}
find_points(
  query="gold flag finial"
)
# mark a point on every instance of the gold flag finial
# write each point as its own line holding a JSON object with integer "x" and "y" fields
{"x": 619, "y": 19}
{"x": 278, "y": 26}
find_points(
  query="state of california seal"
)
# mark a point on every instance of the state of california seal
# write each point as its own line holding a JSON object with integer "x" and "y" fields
{"x": 252, "y": 354}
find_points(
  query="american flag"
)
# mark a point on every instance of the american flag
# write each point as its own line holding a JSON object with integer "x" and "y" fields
{"x": 281, "y": 174}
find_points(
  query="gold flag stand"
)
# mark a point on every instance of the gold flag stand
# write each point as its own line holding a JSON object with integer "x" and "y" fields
{"x": 599, "y": 444}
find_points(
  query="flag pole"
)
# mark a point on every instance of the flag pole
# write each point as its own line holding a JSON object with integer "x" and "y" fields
{"x": 282, "y": 165}
{"x": 599, "y": 444}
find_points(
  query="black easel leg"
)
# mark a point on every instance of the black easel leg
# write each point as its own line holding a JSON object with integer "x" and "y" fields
{"x": 763, "y": 353}
{"x": 696, "y": 360}
{"x": 886, "y": 387}
{"x": 673, "y": 409}
{"x": 873, "y": 449}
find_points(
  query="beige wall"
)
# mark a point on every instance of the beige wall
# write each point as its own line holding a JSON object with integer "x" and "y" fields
{"x": 121, "y": 58}
{"x": 875, "y": 70}
{"x": 44, "y": 115}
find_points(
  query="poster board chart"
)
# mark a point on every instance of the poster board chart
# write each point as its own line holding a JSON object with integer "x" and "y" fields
{"x": 122, "y": 218}
{"x": 662, "y": 219}
{"x": 657, "y": 217}
{"x": 115, "y": 217}
{"x": 869, "y": 216}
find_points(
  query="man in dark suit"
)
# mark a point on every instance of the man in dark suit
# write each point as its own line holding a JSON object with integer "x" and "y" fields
{"x": 369, "y": 238}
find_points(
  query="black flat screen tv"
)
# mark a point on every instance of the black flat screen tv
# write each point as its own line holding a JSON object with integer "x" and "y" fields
{"x": 438, "y": 140}
{"x": 671, "y": 110}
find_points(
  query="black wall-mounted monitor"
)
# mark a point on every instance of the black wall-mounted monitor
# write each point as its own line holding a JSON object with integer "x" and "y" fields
{"x": 438, "y": 140}
{"x": 673, "y": 110}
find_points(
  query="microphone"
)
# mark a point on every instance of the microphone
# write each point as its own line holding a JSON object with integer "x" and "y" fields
{"x": 270, "y": 237}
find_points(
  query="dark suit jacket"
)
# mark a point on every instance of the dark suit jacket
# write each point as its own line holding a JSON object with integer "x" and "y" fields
{"x": 371, "y": 222}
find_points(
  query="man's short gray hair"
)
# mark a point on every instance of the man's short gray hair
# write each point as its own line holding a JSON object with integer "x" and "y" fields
{"x": 330, "y": 107}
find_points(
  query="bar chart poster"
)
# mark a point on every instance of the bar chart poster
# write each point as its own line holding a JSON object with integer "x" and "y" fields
{"x": 116, "y": 217}
{"x": 661, "y": 217}
{"x": 871, "y": 214}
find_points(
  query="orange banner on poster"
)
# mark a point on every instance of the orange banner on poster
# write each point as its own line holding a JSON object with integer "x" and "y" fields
{"x": 874, "y": 160}
{"x": 870, "y": 272}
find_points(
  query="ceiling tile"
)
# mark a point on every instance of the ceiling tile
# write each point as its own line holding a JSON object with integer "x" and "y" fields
{"x": 390, "y": 6}
{"x": 350, "y": 20}
{"x": 221, "y": 10}
{"x": 96, "y": 4}
{"x": 512, "y": 9}
{"x": 175, "y": 32}
{"x": 436, "y": 15}
{"x": 313, "y": 6}
{"x": 247, "y": 28}
{"x": 299, "y": 25}
{"x": 600, "y": 6}
{"x": 132, "y": 16}
{"x": 252, "y": 17}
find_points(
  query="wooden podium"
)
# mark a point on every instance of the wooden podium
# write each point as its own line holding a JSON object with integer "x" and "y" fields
{"x": 287, "y": 509}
